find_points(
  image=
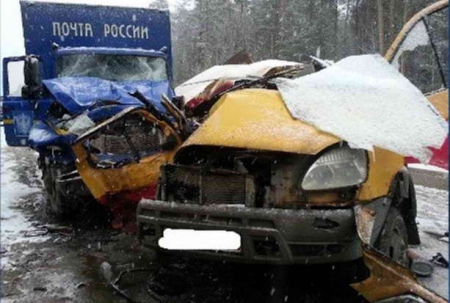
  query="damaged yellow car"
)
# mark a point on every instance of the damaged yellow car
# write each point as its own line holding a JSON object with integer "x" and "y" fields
{"x": 119, "y": 159}
{"x": 293, "y": 193}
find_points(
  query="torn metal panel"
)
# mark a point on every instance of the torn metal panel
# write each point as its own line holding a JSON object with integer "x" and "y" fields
{"x": 197, "y": 84}
{"x": 370, "y": 219}
{"x": 111, "y": 161}
{"x": 390, "y": 280}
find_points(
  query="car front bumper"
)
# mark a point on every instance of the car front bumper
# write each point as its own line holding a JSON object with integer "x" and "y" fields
{"x": 273, "y": 236}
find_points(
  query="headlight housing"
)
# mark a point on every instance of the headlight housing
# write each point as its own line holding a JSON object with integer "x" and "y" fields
{"x": 338, "y": 168}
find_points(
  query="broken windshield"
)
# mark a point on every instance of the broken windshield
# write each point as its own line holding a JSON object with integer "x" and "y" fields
{"x": 112, "y": 67}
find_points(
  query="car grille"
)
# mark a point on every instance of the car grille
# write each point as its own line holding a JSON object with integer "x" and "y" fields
{"x": 188, "y": 184}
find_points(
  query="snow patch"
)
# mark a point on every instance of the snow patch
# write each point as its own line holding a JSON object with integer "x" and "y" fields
{"x": 365, "y": 101}
{"x": 14, "y": 224}
{"x": 427, "y": 167}
{"x": 432, "y": 209}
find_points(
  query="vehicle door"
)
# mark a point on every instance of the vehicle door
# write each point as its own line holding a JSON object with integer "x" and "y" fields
{"x": 420, "y": 52}
{"x": 23, "y": 101}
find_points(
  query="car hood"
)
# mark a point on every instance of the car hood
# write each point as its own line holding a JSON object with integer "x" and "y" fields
{"x": 79, "y": 94}
{"x": 257, "y": 119}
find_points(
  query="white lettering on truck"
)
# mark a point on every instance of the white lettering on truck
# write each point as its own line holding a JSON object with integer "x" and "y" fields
{"x": 125, "y": 31}
{"x": 65, "y": 29}
{"x": 72, "y": 29}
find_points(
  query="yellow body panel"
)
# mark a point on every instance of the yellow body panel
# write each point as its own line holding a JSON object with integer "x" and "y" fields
{"x": 383, "y": 166}
{"x": 103, "y": 182}
{"x": 389, "y": 279}
{"x": 131, "y": 177}
{"x": 258, "y": 119}
{"x": 440, "y": 102}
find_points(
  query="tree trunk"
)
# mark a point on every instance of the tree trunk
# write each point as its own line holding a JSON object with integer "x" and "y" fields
{"x": 380, "y": 26}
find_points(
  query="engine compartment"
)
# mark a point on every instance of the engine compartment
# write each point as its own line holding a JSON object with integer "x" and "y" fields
{"x": 251, "y": 178}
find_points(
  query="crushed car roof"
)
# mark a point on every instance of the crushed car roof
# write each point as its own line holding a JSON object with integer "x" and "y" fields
{"x": 198, "y": 83}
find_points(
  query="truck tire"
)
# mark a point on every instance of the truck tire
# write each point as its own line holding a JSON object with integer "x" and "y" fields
{"x": 57, "y": 204}
{"x": 393, "y": 239}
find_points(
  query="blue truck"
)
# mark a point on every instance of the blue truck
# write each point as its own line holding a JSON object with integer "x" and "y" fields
{"x": 83, "y": 65}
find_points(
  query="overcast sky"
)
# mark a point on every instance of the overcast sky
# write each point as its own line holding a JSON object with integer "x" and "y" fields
{"x": 11, "y": 24}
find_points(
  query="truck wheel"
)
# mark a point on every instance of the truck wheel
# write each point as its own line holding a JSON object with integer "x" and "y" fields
{"x": 393, "y": 239}
{"x": 57, "y": 203}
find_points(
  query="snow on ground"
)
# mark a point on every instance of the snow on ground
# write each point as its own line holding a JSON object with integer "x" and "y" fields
{"x": 427, "y": 167}
{"x": 432, "y": 217}
{"x": 432, "y": 207}
{"x": 15, "y": 227}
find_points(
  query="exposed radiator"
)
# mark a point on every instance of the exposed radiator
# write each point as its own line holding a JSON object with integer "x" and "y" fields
{"x": 189, "y": 184}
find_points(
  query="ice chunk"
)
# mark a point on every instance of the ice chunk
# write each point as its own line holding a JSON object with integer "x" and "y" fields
{"x": 365, "y": 101}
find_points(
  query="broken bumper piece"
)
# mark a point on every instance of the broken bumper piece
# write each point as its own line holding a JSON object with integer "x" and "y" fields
{"x": 277, "y": 236}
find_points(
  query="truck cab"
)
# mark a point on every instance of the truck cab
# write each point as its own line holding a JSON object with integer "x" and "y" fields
{"x": 83, "y": 65}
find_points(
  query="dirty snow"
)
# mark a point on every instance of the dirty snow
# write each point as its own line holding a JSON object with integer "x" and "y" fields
{"x": 427, "y": 167}
{"x": 365, "y": 101}
{"x": 432, "y": 219}
{"x": 197, "y": 84}
{"x": 14, "y": 225}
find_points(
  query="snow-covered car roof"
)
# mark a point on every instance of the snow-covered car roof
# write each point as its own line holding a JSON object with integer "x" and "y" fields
{"x": 198, "y": 83}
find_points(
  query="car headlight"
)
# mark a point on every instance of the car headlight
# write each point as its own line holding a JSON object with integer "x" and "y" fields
{"x": 338, "y": 168}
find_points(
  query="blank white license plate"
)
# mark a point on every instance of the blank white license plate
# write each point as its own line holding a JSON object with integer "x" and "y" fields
{"x": 190, "y": 239}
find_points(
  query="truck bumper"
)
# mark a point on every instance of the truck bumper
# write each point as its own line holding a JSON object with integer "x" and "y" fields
{"x": 273, "y": 236}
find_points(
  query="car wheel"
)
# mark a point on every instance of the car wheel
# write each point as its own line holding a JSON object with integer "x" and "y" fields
{"x": 393, "y": 240}
{"x": 57, "y": 204}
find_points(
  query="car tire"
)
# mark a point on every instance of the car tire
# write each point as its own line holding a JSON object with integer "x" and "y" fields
{"x": 393, "y": 239}
{"x": 57, "y": 203}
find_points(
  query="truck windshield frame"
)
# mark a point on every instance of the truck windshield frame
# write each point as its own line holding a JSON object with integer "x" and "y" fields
{"x": 112, "y": 67}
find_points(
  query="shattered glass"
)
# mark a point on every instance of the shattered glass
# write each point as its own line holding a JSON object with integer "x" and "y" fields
{"x": 424, "y": 48}
{"x": 125, "y": 141}
{"x": 418, "y": 36}
{"x": 112, "y": 67}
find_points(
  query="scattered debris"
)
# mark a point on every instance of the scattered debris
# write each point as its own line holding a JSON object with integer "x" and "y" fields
{"x": 422, "y": 268}
{"x": 52, "y": 228}
{"x": 106, "y": 271}
{"x": 115, "y": 284}
{"x": 439, "y": 260}
{"x": 80, "y": 285}
{"x": 35, "y": 233}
